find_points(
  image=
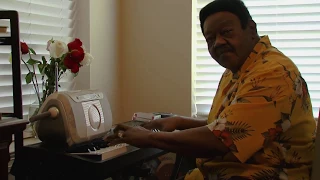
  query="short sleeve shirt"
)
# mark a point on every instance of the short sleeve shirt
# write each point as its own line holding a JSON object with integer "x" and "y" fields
{"x": 263, "y": 114}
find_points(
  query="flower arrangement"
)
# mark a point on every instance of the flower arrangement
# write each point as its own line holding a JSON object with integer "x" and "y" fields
{"x": 63, "y": 57}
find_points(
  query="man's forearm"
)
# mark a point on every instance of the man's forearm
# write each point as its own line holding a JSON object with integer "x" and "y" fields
{"x": 187, "y": 123}
{"x": 196, "y": 142}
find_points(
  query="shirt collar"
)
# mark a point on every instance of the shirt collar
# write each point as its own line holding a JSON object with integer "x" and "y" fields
{"x": 262, "y": 45}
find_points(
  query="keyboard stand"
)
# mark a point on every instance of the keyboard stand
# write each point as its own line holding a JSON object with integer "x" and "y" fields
{"x": 40, "y": 162}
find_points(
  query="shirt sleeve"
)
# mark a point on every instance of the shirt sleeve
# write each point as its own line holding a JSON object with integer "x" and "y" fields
{"x": 257, "y": 110}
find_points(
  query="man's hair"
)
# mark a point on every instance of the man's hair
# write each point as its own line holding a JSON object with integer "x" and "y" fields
{"x": 237, "y": 7}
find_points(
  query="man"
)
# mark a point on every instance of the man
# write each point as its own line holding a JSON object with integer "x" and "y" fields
{"x": 260, "y": 125}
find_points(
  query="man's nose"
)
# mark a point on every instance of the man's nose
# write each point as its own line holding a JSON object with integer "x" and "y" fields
{"x": 220, "y": 40}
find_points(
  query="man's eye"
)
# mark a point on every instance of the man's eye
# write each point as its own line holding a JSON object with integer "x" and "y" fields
{"x": 226, "y": 32}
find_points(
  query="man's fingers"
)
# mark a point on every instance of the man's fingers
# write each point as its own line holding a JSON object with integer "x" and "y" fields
{"x": 110, "y": 138}
{"x": 117, "y": 134}
{"x": 116, "y": 141}
{"x": 121, "y": 127}
{"x": 148, "y": 125}
{"x": 144, "y": 124}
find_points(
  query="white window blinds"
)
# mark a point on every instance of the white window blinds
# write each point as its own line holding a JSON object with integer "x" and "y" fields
{"x": 293, "y": 27}
{"x": 39, "y": 21}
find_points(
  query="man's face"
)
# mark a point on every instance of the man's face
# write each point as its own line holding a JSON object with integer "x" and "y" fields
{"x": 228, "y": 43}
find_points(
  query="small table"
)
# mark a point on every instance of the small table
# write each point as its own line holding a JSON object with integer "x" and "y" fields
{"x": 8, "y": 127}
{"x": 40, "y": 162}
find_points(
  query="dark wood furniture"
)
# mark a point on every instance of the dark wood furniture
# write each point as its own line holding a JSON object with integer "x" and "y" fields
{"x": 14, "y": 41}
{"x": 12, "y": 123}
{"x": 41, "y": 162}
{"x": 8, "y": 128}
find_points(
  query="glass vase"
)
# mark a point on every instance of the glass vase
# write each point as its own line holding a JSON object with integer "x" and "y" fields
{"x": 33, "y": 110}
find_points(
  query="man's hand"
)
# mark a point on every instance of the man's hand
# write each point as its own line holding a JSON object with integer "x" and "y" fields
{"x": 136, "y": 136}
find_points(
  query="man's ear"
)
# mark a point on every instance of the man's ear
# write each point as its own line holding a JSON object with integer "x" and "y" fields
{"x": 252, "y": 27}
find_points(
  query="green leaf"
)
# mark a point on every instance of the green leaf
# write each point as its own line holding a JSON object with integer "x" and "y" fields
{"x": 42, "y": 67}
{"x": 44, "y": 61}
{"x": 63, "y": 57}
{"x": 33, "y": 62}
{"x": 29, "y": 77}
{"x": 64, "y": 68}
{"x": 32, "y": 51}
{"x": 76, "y": 74}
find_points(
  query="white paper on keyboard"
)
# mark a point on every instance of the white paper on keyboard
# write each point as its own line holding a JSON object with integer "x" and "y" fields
{"x": 109, "y": 152}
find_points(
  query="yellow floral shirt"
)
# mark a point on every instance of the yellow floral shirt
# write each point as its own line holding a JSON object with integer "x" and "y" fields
{"x": 264, "y": 115}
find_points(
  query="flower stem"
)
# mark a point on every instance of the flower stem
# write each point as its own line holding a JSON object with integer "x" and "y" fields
{"x": 37, "y": 91}
{"x": 37, "y": 86}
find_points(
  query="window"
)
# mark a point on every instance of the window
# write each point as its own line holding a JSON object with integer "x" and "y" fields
{"x": 40, "y": 20}
{"x": 293, "y": 27}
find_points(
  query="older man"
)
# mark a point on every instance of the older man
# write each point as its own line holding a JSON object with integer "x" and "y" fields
{"x": 260, "y": 125}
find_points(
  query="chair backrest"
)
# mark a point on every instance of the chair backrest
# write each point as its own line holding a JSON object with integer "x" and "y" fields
{"x": 316, "y": 161}
{"x": 14, "y": 42}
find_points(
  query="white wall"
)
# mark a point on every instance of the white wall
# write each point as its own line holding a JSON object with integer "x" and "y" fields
{"x": 155, "y": 53}
{"x": 142, "y": 51}
{"x": 82, "y": 31}
{"x": 103, "y": 41}
{"x": 97, "y": 26}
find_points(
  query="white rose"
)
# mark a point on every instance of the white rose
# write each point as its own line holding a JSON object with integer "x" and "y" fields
{"x": 57, "y": 49}
{"x": 87, "y": 59}
{"x": 48, "y": 45}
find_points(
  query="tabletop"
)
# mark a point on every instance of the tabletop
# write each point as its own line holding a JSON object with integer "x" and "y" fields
{"x": 40, "y": 162}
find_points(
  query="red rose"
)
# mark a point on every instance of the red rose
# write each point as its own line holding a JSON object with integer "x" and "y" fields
{"x": 24, "y": 48}
{"x": 77, "y": 52}
{"x": 71, "y": 64}
{"x": 76, "y": 44}
{"x": 77, "y": 55}
{"x": 75, "y": 69}
{"x": 68, "y": 62}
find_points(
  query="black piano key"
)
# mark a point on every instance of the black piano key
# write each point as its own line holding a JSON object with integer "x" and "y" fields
{"x": 100, "y": 143}
{"x": 104, "y": 145}
{"x": 78, "y": 149}
{"x": 93, "y": 145}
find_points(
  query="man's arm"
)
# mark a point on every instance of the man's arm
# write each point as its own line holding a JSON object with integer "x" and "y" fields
{"x": 197, "y": 142}
{"x": 187, "y": 123}
{"x": 174, "y": 123}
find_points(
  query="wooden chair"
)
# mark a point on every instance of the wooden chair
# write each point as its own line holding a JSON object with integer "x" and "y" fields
{"x": 13, "y": 122}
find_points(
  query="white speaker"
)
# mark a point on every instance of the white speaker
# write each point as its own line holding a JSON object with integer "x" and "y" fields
{"x": 82, "y": 116}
